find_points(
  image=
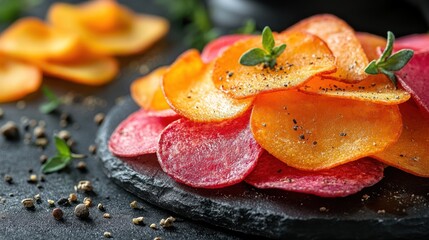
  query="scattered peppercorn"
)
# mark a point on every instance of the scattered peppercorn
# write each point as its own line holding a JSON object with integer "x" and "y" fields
{"x": 8, "y": 179}
{"x": 21, "y": 105}
{"x": 51, "y": 202}
{"x": 134, "y": 205}
{"x": 87, "y": 201}
{"x": 92, "y": 149}
{"x": 39, "y": 132}
{"x": 100, "y": 207}
{"x": 99, "y": 118}
{"x": 323, "y": 209}
{"x": 157, "y": 238}
{"x": 106, "y": 215}
{"x": 41, "y": 142}
{"x": 343, "y": 134}
{"x": 85, "y": 186}
{"x": 72, "y": 197}
{"x": 57, "y": 213}
{"x": 32, "y": 178}
{"x": 107, "y": 234}
{"x": 138, "y": 220}
{"x": 81, "y": 211}
{"x": 43, "y": 158}
{"x": 37, "y": 198}
{"x": 153, "y": 226}
{"x": 166, "y": 223}
{"x": 81, "y": 166}
{"x": 63, "y": 202}
{"x": 10, "y": 131}
{"x": 28, "y": 203}
{"x": 64, "y": 135}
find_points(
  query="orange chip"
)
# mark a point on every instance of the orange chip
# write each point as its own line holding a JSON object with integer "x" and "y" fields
{"x": 30, "y": 38}
{"x": 411, "y": 152}
{"x": 374, "y": 88}
{"x": 91, "y": 72}
{"x": 189, "y": 89}
{"x": 370, "y": 44}
{"x": 17, "y": 79}
{"x": 305, "y": 56}
{"x": 107, "y": 27}
{"x": 341, "y": 39}
{"x": 311, "y": 132}
{"x": 147, "y": 91}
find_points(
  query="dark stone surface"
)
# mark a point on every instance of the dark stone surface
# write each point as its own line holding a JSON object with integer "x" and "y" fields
{"x": 276, "y": 214}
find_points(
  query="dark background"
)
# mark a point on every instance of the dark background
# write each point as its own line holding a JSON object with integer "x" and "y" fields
{"x": 17, "y": 159}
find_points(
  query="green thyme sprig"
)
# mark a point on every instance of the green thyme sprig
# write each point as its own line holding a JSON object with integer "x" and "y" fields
{"x": 62, "y": 159}
{"x": 52, "y": 103}
{"x": 388, "y": 64}
{"x": 268, "y": 55}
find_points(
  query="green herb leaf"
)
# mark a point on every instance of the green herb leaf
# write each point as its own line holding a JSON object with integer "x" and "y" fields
{"x": 268, "y": 56}
{"x": 62, "y": 147}
{"x": 277, "y": 51}
{"x": 372, "y": 68}
{"x": 387, "y": 64}
{"x": 398, "y": 60}
{"x": 62, "y": 159}
{"x": 53, "y": 101}
{"x": 389, "y": 47}
{"x": 253, "y": 57}
{"x": 267, "y": 39}
{"x": 55, "y": 164}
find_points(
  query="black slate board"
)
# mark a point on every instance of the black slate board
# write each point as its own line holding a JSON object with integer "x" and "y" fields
{"x": 397, "y": 207}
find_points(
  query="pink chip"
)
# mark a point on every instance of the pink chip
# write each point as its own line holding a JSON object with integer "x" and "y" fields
{"x": 414, "y": 78}
{"x": 340, "y": 181}
{"x": 216, "y": 47}
{"x": 139, "y": 133}
{"x": 415, "y": 42}
{"x": 208, "y": 155}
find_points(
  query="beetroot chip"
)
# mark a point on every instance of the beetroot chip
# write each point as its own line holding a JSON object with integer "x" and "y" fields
{"x": 339, "y": 181}
{"x": 208, "y": 155}
{"x": 414, "y": 41}
{"x": 139, "y": 133}
{"x": 414, "y": 78}
{"x": 216, "y": 47}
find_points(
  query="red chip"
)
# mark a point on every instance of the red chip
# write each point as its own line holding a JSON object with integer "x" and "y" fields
{"x": 339, "y": 181}
{"x": 208, "y": 155}
{"x": 414, "y": 41}
{"x": 414, "y": 78}
{"x": 216, "y": 47}
{"x": 139, "y": 133}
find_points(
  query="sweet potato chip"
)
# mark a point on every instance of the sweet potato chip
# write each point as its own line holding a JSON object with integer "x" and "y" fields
{"x": 216, "y": 47}
{"x": 208, "y": 155}
{"x": 94, "y": 72}
{"x": 30, "y": 38}
{"x": 411, "y": 152}
{"x": 304, "y": 57}
{"x": 340, "y": 37}
{"x": 374, "y": 88}
{"x": 189, "y": 89}
{"x": 147, "y": 91}
{"x": 339, "y": 181}
{"x": 107, "y": 27}
{"x": 17, "y": 79}
{"x": 371, "y": 44}
{"x": 311, "y": 132}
